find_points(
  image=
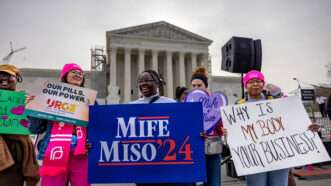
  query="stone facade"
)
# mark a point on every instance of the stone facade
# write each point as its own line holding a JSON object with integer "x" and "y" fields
{"x": 32, "y": 78}
{"x": 161, "y": 46}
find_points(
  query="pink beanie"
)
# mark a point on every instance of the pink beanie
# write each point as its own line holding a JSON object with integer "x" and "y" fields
{"x": 68, "y": 67}
{"x": 253, "y": 74}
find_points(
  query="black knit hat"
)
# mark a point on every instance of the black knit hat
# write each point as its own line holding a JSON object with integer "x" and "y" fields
{"x": 203, "y": 78}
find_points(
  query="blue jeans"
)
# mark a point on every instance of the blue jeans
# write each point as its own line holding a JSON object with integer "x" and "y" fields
{"x": 272, "y": 178}
{"x": 213, "y": 163}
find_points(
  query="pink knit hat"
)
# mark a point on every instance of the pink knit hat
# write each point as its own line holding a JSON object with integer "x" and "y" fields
{"x": 68, "y": 67}
{"x": 253, "y": 74}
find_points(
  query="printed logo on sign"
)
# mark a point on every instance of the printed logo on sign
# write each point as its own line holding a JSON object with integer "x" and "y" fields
{"x": 134, "y": 145}
{"x": 56, "y": 153}
{"x": 61, "y": 106}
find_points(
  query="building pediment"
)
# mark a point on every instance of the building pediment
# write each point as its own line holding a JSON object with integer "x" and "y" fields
{"x": 160, "y": 30}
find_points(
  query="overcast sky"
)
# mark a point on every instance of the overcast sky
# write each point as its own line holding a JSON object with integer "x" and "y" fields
{"x": 296, "y": 34}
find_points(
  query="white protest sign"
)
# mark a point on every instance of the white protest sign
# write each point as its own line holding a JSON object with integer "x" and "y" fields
{"x": 62, "y": 102}
{"x": 271, "y": 135}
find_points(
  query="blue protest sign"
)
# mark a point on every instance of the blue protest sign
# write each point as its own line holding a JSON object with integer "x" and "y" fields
{"x": 146, "y": 143}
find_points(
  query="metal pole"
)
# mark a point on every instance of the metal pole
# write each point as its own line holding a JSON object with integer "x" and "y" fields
{"x": 242, "y": 86}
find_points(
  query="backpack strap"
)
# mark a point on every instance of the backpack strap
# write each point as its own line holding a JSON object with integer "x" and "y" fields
{"x": 267, "y": 95}
{"x": 154, "y": 99}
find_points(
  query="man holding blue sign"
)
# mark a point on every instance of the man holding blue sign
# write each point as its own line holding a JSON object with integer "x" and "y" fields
{"x": 147, "y": 141}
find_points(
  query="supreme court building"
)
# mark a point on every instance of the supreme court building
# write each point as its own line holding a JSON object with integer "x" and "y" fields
{"x": 172, "y": 51}
{"x": 168, "y": 49}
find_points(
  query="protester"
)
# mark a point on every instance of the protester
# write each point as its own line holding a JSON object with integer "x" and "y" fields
{"x": 273, "y": 90}
{"x": 254, "y": 82}
{"x": 328, "y": 108}
{"x": 72, "y": 165}
{"x": 148, "y": 83}
{"x": 199, "y": 80}
{"x": 320, "y": 100}
{"x": 181, "y": 92}
{"x": 18, "y": 163}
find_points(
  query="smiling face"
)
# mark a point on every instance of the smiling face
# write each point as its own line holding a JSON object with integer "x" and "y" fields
{"x": 75, "y": 77}
{"x": 255, "y": 87}
{"x": 147, "y": 85}
{"x": 7, "y": 81}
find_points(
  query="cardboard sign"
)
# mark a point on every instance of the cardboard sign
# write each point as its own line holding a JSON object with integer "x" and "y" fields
{"x": 211, "y": 106}
{"x": 62, "y": 102}
{"x": 146, "y": 143}
{"x": 12, "y": 116}
{"x": 271, "y": 135}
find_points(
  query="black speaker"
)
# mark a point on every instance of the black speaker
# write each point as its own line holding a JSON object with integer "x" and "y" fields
{"x": 240, "y": 55}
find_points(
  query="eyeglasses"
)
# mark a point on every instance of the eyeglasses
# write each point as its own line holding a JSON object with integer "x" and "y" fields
{"x": 255, "y": 81}
{"x": 77, "y": 72}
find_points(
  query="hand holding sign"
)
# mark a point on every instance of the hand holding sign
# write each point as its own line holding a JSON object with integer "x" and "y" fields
{"x": 29, "y": 98}
{"x": 211, "y": 105}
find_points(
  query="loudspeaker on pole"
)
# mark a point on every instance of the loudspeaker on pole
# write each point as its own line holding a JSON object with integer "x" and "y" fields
{"x": 240, "y": 55}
